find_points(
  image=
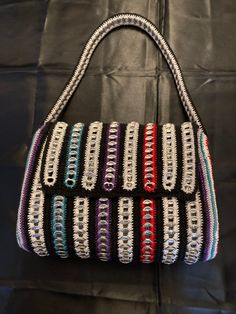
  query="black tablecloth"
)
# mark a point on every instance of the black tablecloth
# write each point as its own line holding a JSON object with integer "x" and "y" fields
{"x": 127, "y": 80}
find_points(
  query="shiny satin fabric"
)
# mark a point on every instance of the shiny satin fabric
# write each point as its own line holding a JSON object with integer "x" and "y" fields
{"x": 127, "y": 80}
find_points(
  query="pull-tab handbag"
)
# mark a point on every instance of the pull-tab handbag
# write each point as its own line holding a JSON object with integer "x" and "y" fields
{"x": 115, "y": 191}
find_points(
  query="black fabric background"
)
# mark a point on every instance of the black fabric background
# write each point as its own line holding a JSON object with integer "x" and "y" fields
{"x": 127, "y": 80}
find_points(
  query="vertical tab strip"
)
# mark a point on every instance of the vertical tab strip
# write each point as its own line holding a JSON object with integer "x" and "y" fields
{"x": 80, "y": 227}
{"x": 148, "y": 230}
{"x": 194, "y": 230}
{"x": 189, "y": 158}
{"x": 169, "y": 156}
{"x": 91, "y": 160}
{"x": 130, "y": 156}
{"x": 171, "y": 230}
{"x": 73, "y": 155}
{"x": 36, "y": 213}
{"x": 125, "y": 229}
{"x": 150, "y": 157}
{"x": 53, "y": 154}
{"x": 112, "y": 157}
{"x": 103, "y": 229}
{"x": 58, "y": 225}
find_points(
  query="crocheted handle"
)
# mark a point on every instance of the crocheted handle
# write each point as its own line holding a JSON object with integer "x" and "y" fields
{"x": 106, "y": 27}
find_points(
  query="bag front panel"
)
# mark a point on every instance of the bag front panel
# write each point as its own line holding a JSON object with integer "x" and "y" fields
{"x": 122, "y": 192}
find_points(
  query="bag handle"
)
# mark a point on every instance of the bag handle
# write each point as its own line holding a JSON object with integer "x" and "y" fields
{"x": 120, "y": 20}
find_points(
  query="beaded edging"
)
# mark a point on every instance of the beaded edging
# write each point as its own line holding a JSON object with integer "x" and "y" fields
{"x": 210, "y": 205}
{"x": 148, "y": 230}
{"x": 171, "y": 230}
{"x": 73, "y": 155}
{"x": 92, "y": 151}
{"x": 189, "y": 158}
{"x": 169, "y": 156}
{"x": 194, "y": 230}
{"x": 103, "y": 229}
{"x": 53, "y": 154}
{"x": 36, "y": 213}
{"x": 58, "y": 225}
{"x": 112, "y": 157}
{"x": 125, "y": 229}
{"x": 130, "y": 156}
{"x": 80, "y": 227}
{"x": 150, "y": 157}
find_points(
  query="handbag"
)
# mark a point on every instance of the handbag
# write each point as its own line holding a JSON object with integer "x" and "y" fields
{"x": 115, "y": 191}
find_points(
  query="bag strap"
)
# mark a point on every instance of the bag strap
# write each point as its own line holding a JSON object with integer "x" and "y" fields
{"x": 120, "y": 20}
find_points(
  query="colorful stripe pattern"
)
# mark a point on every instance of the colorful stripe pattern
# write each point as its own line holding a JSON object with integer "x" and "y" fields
{"x": 21, "y": 233}
{"x": 83, "y": 182}
{"x": 112, "y": 157}
{"x": 208, "y": 191}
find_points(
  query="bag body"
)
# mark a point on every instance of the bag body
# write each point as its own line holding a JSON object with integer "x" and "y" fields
{"x": 114, "y": 191}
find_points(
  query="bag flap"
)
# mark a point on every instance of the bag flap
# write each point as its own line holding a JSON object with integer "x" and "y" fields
{"x": 114, "y": 160}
